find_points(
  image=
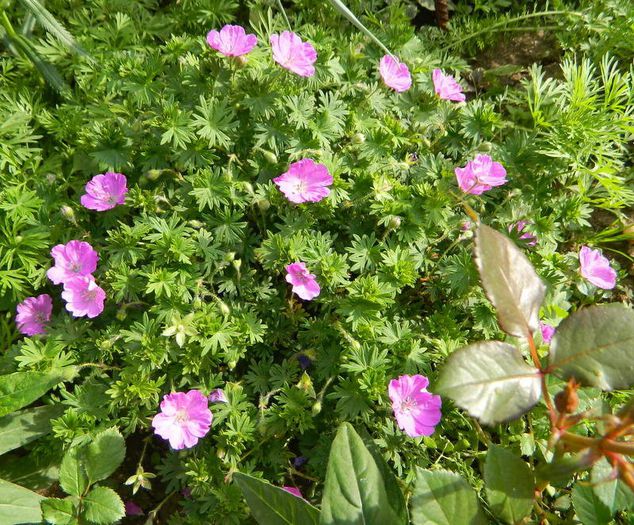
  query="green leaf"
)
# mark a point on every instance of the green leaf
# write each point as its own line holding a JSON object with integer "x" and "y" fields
{"x": 103, "y": 506}
{"x": 509, "y": 281}
{"x": 355, "y": 21}
{"x": 271, "y": 505}
{"x": 58, "y": 511}
{"x": 22, "y": 388}
{"x": 51, "y": 25}
{"x": 595, "y": 345}
{"x": 491, "y": 381}
{"x": 589, "y": 508}
{"x": 50, "y": 73}
{"x": 18, "y": 505}
{"x": 72, "y": 476}
{"x": 614, "y": 494}
{"x": 355, "y": 490}
{"x": 104, "y": 455}
{"x": 22, "y": 427}
{"x": 510, "y": 485}
{"x": 444, "y": 498}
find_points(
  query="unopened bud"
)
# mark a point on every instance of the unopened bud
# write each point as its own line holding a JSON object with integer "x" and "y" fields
{"x": 567, "y": 400}
{"x": 263, "y": 204}
{"x": 68, "y": 214}
{"x": 395, "y": 222}
{"x": 229, "y": 256}
{"x": 224, "y": 309}
{"x": 237, "y": 263}
{"x": 269, "y": 156}
{"x": 316, "y": 408}
{"x": 232, "y": 364}
{"x": 196, "y": 224}
{"x": 358, "y": 138}
{"x": 153, "y": 174}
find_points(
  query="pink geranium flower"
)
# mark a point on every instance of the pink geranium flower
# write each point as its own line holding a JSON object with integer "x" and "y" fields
{"x": 518, "y": 228}
{"x": 446, "y": 87}
{"x": 305, "y": 181}
{"x": 596, "y": 268}
{"x": 231, "y": 41}
{"x": 291, "y": 53}
{"x": 547, "y": 332}
{"x": 75, "y": 258}
{"x": 294, "y": 491}
{"x": 395, "y": 74}
{"x": 480, "y": 175}
{"x": 304, "y": 283}
{"x": 184, "y": 418}
{"x": 104, "y": 192}
{"x": 33, "y": 315}
{"x": 218, "y": 396}
{"x": 417, "y": 411}
{"x": 83, "y": 297}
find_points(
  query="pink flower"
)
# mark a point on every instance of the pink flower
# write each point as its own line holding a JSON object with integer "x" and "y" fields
{"x": 184, "y": 418}
{"x": 446, "y": 87}
{"x": 305, "y": 181}
{"x": 304, "y": 283}
{"x": 33, "y": 314}
{"x": 83, "y": 297}
{"x": 519, "y": 226}
{"x": 132, "y": 509}
{"x": 395, "y": 74}
{"x": 417, "y": 411}
{"x": 75, "y": 258}
{"x": 547, "y": 332}
{"x": 596, "y": 268}
{"x": 105, "y": 191}
{"x": 294, "y": 491}
{"x": 218, "y": 396}
{"x": 231, "y": 41}
{"x": 291, "y": 53}
{"x": 480, "y": 175}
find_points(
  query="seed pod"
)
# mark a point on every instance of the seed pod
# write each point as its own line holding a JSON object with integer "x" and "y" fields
{"x": 567, "y": 400}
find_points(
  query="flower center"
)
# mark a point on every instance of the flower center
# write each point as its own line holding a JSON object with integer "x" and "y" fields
{"x": 181, "y": 416}
{"x": 300, "y": 187}
{"x": 408, "y": 404}
{"x": 75, "y": 268}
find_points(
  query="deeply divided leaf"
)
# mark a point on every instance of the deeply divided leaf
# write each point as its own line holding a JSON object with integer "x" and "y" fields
{"x": 595, "y": 345}
{"x": 444, "y": 498}
{"x": 509, "y": 281}
{"x": 491, "y": 381}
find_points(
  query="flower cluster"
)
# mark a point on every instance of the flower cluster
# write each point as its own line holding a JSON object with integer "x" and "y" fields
{"x": 75, "y": 263}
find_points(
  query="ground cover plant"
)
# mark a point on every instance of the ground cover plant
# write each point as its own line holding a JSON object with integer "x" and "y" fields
{"x": 267, "y": 263}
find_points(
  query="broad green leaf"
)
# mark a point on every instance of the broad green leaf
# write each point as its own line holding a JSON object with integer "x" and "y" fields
{"x": 589, "y": 508}
{"x": 509, "y": 281}
{"x": 18, "y": 505}
{"x": 104, "y": 455}
{"x": 343, "y": 9}
{"x": 614, "y": 494}
{"x": 72, "y": 476}
{"x": 444, "y": 498}
{"x": 355, "y": 490}
{"x": 22, "y": 388}
{"x": 103, "y": 506}
{"x": 58, "y": 511}
{"x": 491, "y": 381}
{"x": 22, "y": 427}
{"x": 595, "y": 345}
{"x": 560, "y": 470}
{"x": 27, "y": 472}
{"x": 509, "y": 483}
{"x": 271, "y": 505}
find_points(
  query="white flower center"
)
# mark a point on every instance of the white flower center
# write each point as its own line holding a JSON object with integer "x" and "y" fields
{"x": 181, "y": 416}
{"x": 408, "y": 404}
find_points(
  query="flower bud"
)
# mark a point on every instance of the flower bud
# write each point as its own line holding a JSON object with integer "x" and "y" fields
{"x": 358, "y": 138}
{"x": 567, "y": 400}
{"x": 395, "y": 222}
{"x": 229, "y": 256}
{"x": 153, "y": 174}
{"x": 232, "y": 364}
{"x": 263, "y": 204}
{"x": 195, "y": 224}
{"x": 68, "y": 214}
{"x": 316, "y": 408}
{"x": 269, "y": 156}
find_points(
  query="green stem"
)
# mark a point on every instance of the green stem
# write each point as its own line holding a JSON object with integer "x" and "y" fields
{"x": 279, "y": 3}
{"x": 502, "y": 23}
{"x": 8, "y": 27}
